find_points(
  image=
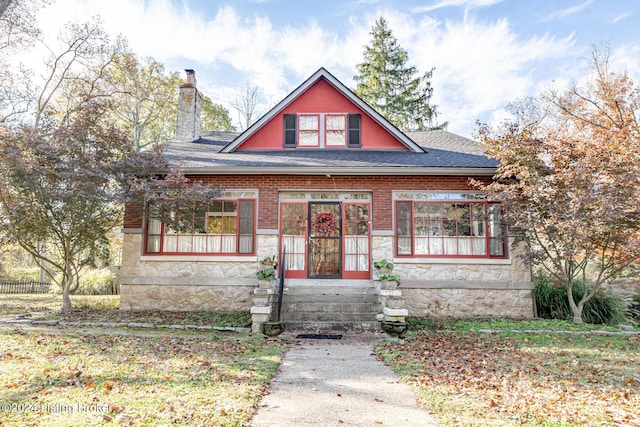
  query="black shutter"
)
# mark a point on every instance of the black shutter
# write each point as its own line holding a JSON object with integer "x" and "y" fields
{"x": 354, "y": 130}
{"x": 290, "y": 131}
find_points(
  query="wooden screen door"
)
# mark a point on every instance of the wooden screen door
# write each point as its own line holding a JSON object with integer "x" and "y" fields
{"x": 325, "y": 240}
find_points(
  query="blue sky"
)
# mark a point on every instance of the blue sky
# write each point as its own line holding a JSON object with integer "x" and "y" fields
{"x": 486, "y": 53}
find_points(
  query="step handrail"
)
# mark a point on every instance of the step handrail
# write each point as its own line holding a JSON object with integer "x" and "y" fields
{"x": 283, "y": 261}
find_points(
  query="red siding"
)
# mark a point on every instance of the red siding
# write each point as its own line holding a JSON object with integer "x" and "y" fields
{"x": 380, "y": 186}
{"x": 322, "y": 97}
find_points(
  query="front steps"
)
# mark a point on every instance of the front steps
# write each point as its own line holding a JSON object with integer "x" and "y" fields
{"x": 330, "y": 305}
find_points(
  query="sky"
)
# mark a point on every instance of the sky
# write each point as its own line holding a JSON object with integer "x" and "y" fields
{"x": 485, "y": 53}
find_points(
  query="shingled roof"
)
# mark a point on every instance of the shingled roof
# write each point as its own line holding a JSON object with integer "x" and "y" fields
{"x": 444, "y": 154}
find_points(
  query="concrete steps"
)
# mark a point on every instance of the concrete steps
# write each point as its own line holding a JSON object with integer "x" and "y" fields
{"x": 326, "y": 306}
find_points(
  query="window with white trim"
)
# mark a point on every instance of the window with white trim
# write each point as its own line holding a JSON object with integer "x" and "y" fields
{"x": 217, "y": 227}
{"x": 309, "y": 130}
{"x": 335, "y": 130}
{"x": 322, "y": 130}
{"x": 460, "y": 228}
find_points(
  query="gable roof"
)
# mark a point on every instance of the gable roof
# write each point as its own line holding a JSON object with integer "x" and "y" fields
{"x": 322, "y": 73}
{"x": 444, "y": 153}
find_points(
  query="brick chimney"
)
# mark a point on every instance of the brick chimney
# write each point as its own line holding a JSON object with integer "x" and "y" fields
{"x": 189, "y": 107}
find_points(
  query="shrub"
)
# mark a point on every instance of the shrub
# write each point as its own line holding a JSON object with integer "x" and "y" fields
{"x": 95, "y": 282}
{"x": 552, "y": 303}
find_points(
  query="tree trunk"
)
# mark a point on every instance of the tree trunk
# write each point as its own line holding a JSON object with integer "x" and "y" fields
{"x": 576, "y": 309}
{"x": 66, "y": 291}
{"x": 66, "y": 300}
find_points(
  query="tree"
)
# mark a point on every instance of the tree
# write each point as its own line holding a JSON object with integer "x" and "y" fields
{"x": 215, "y": 117}
{"x": 67, "y": 170}
{"x": 246, "y": 105}
{"x": 17, "y": 23}
{"x": 57, "y": 167}
{"x": 18, "y": 30}
{"x": 147, "y": 99}
{"x": 569, "y": 176}
{"x": 391, "y": 86}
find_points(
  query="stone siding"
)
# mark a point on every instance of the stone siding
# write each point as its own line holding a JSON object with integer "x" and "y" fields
{"x": 458, "y": 289}
{"x": 465, "y": 303}
{"x": 190, "y": 283}
{"x": 186, "y": 298}
{"x": 461, "y": 287}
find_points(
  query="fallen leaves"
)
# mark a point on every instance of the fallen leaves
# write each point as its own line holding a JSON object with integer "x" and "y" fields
{"x": 557, "y": 379}
{"x": 211, "y": 379}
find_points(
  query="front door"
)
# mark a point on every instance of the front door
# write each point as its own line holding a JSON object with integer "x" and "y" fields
{"x": 325, "y": 240}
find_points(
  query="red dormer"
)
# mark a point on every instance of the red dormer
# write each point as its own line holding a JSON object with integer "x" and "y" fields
{"x": 322, "y": 113}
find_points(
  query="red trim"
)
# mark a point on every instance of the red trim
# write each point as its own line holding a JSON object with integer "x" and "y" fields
{"x": 344, "y": 130}
{"x": 355, "y": 274}
{"x": 317, "y": 144}
{"x": 162, "y": 234}
{"x": 487, "y": 237}
{"x": 295, "y": 274}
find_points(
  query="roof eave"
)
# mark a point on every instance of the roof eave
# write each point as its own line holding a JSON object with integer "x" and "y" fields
{"x": 358, "y": 171}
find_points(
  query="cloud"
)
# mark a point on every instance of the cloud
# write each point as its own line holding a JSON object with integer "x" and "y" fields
{"x": 480, "y": 65}
{"x": 466, "y": 4}
{"x": 566, "y": 12}
{"x": 620, "y": 18}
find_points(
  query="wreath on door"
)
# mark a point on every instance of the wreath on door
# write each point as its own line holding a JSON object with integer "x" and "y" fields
{"x": 325, "y": 223}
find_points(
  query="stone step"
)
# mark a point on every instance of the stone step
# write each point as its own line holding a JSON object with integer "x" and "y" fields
{"x": 322, "y": 304}
{"x": 330, "y": 299}
{"x": 329, "y": 290}
{"x": 328, "y": 317}
{"x": 330, "y": 307}
{"x": 331, "y": 326}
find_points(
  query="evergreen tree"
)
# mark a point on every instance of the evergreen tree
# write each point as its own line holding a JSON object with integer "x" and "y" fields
{"x": 391, "y": 86}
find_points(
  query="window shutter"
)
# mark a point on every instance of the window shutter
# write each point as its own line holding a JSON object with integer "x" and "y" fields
{"x": 290, "y": 131}
{"x": 354, "y": 130}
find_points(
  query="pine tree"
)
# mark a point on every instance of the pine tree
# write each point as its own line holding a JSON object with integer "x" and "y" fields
{"x": 391, "y": 86}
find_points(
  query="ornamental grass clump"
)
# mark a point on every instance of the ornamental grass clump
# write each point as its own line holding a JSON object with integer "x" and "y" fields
{"x": 552, "y": 303}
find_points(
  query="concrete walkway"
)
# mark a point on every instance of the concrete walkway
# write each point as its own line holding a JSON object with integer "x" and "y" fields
{"x": 338, "y": 383}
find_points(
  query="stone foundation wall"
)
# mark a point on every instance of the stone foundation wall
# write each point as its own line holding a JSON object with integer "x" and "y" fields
{"x": 451, "y": 288}
{"x": 460, "y": 287}
{"x": 186, "y": 298}
{"x": 465, "y": 303}
{"x": 625, "y": 288}
{"x": 189, "y": 283}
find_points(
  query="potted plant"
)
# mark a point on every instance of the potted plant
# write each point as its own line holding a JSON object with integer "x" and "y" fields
{"x": 269, "y": 261}
{"x": 383, "y": 266}
{"x": 389, "y": 281}
{"x": 267, "y": 273}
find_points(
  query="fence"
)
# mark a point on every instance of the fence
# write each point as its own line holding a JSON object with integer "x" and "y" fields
{"x": 25, "y": 286}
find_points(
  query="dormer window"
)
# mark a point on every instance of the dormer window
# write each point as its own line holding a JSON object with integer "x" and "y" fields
{"x": 321, "y": 130}
{"x": 309, "y": 130}
{"x": 335, "y": 130}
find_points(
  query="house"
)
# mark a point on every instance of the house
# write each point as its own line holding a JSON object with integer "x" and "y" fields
{"x": 325, "y": 176}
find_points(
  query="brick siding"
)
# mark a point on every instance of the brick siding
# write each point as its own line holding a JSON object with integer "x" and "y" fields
{"x": 269, "y": 185}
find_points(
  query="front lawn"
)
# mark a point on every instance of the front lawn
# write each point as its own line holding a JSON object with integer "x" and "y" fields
{"x": 133, "y": 377}
{"x": 104, "y": 308}
{"x": 471, "y": 378}
{"x": 127, "y": 376}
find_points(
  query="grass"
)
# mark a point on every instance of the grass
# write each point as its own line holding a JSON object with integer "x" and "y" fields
{"x": 142, "y": 377}
{"x": 465, "y": 377}
{"x": 104, "y": 308}
{"x": 511, "y": 325}
{"x": 470, "y": 378}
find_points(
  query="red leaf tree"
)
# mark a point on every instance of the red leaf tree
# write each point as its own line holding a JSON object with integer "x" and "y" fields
{"x": 570, "y": 179}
